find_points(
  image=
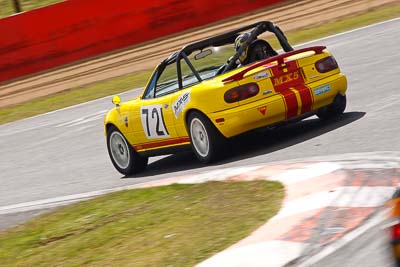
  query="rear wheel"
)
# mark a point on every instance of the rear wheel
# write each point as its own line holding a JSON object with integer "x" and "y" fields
{"x": 333, "y": 110}
{"x": 207, "y": 142}
{"x": 124, "y": 158}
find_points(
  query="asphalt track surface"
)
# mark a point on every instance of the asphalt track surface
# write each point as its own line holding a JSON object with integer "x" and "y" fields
{"x": 64, "y": 152}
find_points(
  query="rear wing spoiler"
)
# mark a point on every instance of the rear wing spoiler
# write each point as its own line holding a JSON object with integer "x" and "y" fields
{"x": 279, "y": 58}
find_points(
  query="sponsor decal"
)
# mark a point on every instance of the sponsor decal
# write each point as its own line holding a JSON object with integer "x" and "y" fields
{"x": 267, "y": 92}
{"x": 261, "y": 75}
{"x": 180, "y": 103}
{"x": 322, "y": 89}
{"x": 286, "y": 78}
{"x": 263, "y": 110}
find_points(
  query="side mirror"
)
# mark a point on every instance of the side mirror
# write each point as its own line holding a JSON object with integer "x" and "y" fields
{"x": 116, "y": 100}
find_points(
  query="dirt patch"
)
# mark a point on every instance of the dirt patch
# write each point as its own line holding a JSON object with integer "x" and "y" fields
{"x": 290, "y": 15}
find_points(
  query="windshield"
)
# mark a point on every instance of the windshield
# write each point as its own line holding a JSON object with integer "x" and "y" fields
{"x": 206, "y": 66}
{"x": 211, "y": 61}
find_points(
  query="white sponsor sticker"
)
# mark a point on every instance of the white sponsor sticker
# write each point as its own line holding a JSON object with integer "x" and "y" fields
{"x": 180, "y": 103}
{"x": 267, "y": 92}
{"x": 153, "y": 122}
{"x": 322, "y": 89}
{"x": 261, "y": 75}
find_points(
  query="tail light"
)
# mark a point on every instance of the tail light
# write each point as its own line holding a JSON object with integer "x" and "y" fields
{"x": 326, "y": 64}
{"x": 241, "y": 93}
{"x": 396, "y": 232}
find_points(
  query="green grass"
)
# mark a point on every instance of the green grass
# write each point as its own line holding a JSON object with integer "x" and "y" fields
{"x": 7, "y": 7}
{"x": 374, "y": 16}
{"x": 121, "y": 84}
{"x": 73, "y": 96}
{"x": 176, "y": 225}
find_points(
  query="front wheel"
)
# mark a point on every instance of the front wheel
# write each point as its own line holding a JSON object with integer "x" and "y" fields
{"x": 124, "y": 158}
{"x": 333, "y": 110}
{"x": 207, "y": 142}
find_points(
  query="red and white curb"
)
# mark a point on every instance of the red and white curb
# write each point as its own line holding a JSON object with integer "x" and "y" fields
{"x": 326, "y": 200}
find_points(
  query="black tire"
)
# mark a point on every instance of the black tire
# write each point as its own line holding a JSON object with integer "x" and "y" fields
{"x": 333, "y": 110}
{"x": 124, "y": 158}
{"x": 207, "y": 142}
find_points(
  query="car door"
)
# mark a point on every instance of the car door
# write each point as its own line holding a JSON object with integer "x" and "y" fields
{"x": 155, "y": 117}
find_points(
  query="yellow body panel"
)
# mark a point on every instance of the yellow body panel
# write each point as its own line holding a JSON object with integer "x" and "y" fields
{"x": 150, "y": 124}
{"x": 246, "y": 117}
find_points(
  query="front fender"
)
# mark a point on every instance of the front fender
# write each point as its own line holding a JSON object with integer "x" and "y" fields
{"x": 113, "y": 117}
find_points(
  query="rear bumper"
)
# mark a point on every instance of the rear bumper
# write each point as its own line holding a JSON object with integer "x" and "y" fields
{"x": 271, "y": 110}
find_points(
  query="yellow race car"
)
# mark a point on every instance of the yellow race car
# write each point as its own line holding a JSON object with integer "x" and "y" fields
{"x": 221, "y": 87}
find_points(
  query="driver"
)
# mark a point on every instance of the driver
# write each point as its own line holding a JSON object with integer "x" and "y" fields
{"x": 257, "y": 50}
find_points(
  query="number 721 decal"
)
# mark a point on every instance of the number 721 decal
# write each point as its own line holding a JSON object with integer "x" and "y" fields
{"x": 153, "y": 122}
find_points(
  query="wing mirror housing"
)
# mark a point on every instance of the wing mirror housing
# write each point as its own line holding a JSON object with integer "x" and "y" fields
{"x": 116, "y": 100}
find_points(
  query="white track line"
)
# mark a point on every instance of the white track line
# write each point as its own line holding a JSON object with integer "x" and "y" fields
{"x": 286, "y": 176}
{"x": 74, "y": 106}
{"x": 274, "y": 253}
{"x": 215, "y": 175}
{"x": 346, "y": 197}
{"x": 306, "y": 173}
{"x": 218, "y": 175}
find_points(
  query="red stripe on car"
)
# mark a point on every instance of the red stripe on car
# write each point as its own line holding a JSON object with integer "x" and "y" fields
{"x": 284, "y": 78}
{"x": 306, "y": 98}
{"x": 291, "y": 103}
{"x": 306, "y": 95}
{"x": 169, "y": 142}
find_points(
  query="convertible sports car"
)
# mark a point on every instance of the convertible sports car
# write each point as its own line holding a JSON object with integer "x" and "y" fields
{"x": 221, "y": 87}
